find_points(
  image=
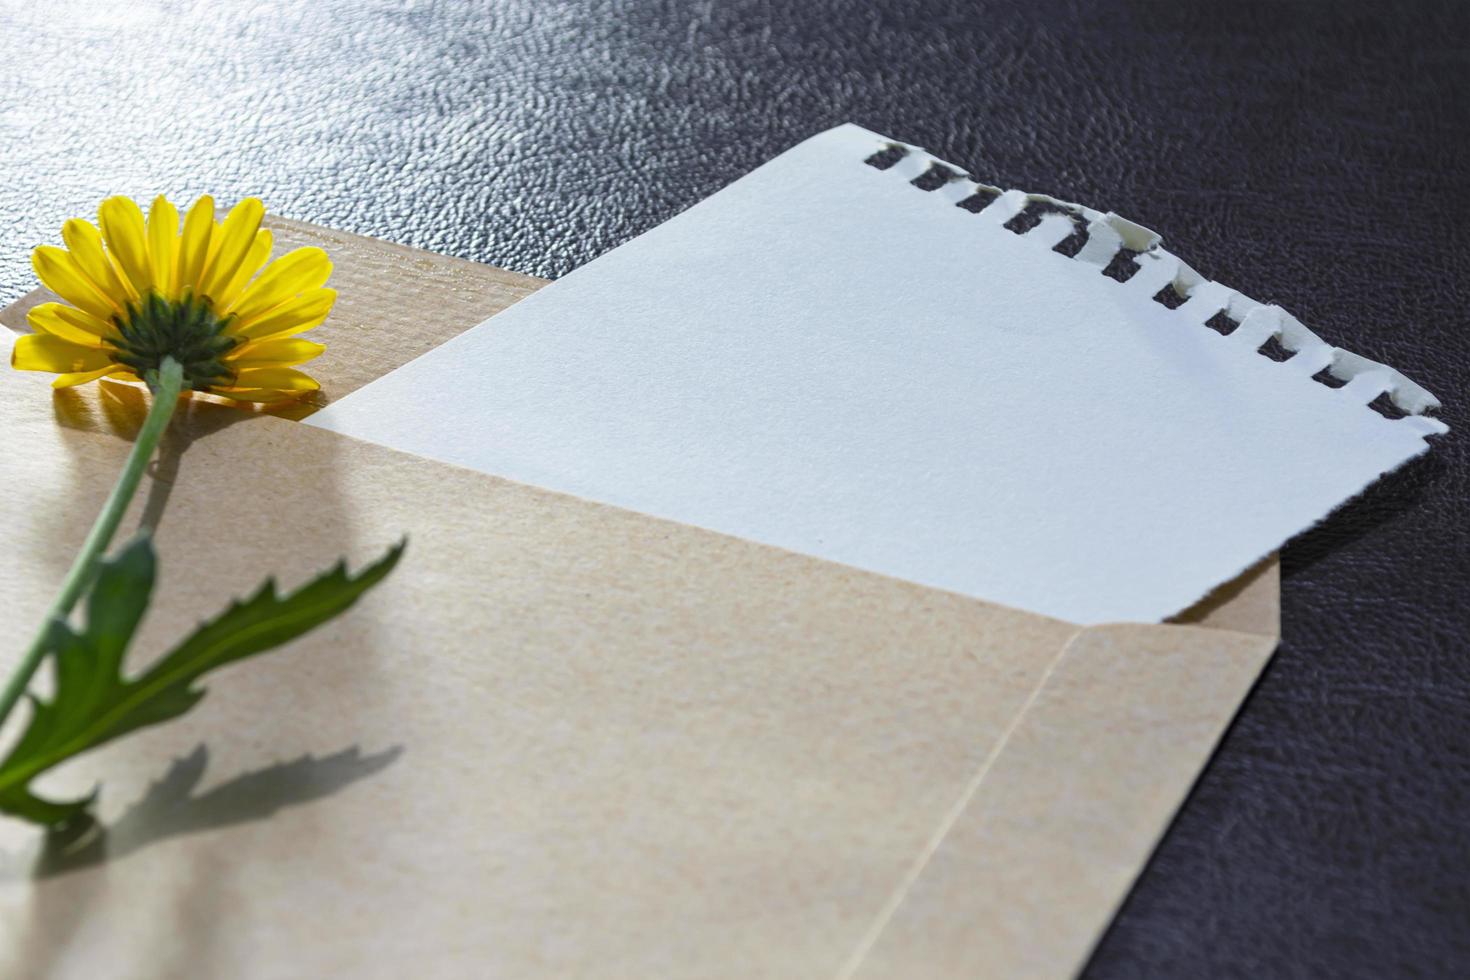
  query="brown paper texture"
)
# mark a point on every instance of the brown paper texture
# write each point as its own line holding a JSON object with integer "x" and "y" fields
{"x": 566, "y": 739}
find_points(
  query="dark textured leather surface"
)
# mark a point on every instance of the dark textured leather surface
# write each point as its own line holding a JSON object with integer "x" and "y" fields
{"x": 1312, "y": 154}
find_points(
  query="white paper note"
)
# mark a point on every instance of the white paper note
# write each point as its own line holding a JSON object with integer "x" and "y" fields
{"x": 829, "y": 358}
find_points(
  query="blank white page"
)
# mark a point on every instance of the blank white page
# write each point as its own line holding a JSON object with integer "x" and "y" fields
{"x": 830, "y": 358}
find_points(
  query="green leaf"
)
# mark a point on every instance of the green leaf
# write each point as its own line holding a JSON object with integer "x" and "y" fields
{"x": 95, "y": 703}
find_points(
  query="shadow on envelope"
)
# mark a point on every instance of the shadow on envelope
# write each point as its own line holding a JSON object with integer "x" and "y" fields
{"x": 171, "y": 809}
{"x": 120, "y": 409}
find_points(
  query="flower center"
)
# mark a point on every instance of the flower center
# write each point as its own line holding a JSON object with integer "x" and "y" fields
{"x": 186, "y": 329}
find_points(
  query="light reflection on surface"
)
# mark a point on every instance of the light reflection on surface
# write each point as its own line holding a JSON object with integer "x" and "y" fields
{"x": 461, "y": 130}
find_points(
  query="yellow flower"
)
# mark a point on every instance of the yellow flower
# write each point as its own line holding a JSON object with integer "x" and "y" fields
{"x": 206, "y": 294}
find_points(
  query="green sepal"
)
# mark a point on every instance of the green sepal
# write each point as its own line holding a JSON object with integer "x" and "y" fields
{"x": 186, "y": 329}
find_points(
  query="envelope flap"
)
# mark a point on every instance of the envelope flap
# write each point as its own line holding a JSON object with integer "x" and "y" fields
{"x": 1249, "y": 603}
{"x": 1056, "y": 825}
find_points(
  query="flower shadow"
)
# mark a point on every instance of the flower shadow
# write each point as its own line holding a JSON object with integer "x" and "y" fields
{"x": 171, "y": 809}
{"x": 120, "y": 409}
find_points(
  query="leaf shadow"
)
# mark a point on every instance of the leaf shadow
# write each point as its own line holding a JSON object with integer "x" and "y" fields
{"x": 170, "y": 808}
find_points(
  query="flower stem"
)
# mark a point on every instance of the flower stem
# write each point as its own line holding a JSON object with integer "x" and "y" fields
{"x": 166, "y": 384}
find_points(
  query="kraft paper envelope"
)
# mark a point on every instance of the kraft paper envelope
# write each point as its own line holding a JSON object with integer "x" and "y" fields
{"x": 566, "y": 739}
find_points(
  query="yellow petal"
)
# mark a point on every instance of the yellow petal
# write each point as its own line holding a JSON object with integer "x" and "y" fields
{"x": 295, "y": 272}
{"x": 259, "y": 253}
{"x": 122, "y": 226}
{"x": 252, "y": 394}
{"x": 69, "y": 323}
{"x": 43, "y": 352}
{"x": 163, "y": 245}
{"x": 237, "y": 235}
{"x": 84, "y": 242}
{"x": 79, "y": 377}
{"x": 279, "y": 378}
{"x": 59, "y": 272}
{"x": 292, "y": 317}
{"x": 194, "y": 244}
{"x": 283, "y": 352}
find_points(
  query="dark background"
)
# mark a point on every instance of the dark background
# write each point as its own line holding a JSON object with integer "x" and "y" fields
{"x": 1311, "y": 154}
